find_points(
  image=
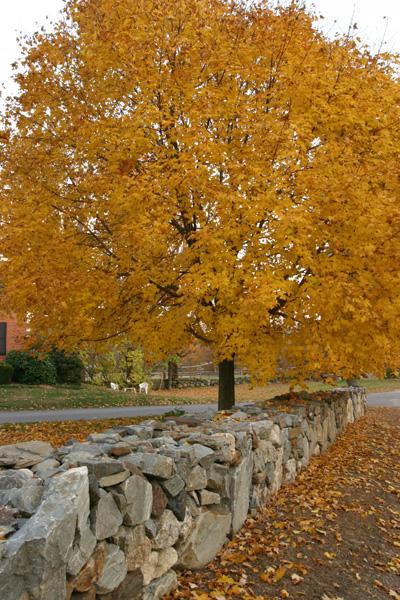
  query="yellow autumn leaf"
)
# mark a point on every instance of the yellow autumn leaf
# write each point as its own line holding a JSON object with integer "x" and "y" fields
{"x": 279, "y": 574}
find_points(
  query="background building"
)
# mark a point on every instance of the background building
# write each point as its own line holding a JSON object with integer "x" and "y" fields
{"x": 12, "y": 335}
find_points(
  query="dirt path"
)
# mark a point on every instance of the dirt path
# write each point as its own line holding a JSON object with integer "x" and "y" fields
{"x": 332, "y": 535}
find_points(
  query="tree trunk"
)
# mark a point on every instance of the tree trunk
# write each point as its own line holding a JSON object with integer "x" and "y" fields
{"x": 172, "y": 374}
{"x": 226, "y": 384}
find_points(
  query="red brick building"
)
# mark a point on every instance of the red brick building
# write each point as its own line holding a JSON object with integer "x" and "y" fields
{"x": 12, "y": 335}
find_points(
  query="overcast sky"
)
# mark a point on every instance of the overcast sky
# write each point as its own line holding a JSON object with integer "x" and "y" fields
{"x": 376, "y": 19}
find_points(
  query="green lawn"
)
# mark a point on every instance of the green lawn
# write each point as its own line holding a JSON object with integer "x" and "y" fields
{"x": 25, "y": 397}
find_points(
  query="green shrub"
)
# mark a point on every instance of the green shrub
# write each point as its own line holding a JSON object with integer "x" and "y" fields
{"x": 69, "y": 367}
{"x": 390, "y": 374}
{"x": 6, "y": 372}
{"x": 30, "y": 369}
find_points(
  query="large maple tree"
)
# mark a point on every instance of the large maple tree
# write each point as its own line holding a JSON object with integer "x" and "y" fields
{"x": 205, "y": 168}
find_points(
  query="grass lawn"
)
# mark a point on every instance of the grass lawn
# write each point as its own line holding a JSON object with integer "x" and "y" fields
{"x": 24, "y": 397}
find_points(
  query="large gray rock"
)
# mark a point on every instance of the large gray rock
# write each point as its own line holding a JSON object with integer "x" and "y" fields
{"x": 206, "y": 497}
{"x": 143, "y": 432}
{"x": 46, "y": 468}
{"x": 130, "y": 589}
{"x": 114, "y": 570}
{"x": 25, "y": 499}
{"x": 106, "y": 518}
{"x": 174, "y": 485}
{"x": 84, "y": 544}
{"x": 138, "y": 494}
{"x": 108, "y": 472}
{"x": 11, "y": 456}
{"x": 207, "y": 537}
{"x": 93, "y": 450}
{"x": 168, "y": 530}
{"x": 161, "y": 587}
{"x": 178, "y": 504}
{"x": 203, "y": 455}
{"x": 156, "y": 465}
{"x": 222, "y": 443}
{"x": 43, "y": 449}
{"x": 219, "y": 479}
{"x": 197, "y": 479}
{"x": 84, "y": 541}
{"x": 35, "y": 558}
{"x": 103, "y": 467}
{"x": 241, "y": 478}
{"x": 24, "y": 454}
{"x": 15, "y": 478}
{"x": 104, "y": 438}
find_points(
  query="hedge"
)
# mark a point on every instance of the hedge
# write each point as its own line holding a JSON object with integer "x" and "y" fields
{"x": 30, "y": 369}
{"x": 69, "y": 367}
{"x": 6, "y": 373}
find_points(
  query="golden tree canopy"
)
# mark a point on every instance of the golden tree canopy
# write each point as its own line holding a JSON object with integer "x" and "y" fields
{"x": 205, "y": 168}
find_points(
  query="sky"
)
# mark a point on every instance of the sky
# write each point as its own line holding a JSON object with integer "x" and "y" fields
{"x": 376, "y": 20}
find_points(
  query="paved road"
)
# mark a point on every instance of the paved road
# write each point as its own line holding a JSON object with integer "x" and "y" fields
{"x": 77, "y": 414}
{"x": 385, "y": 399}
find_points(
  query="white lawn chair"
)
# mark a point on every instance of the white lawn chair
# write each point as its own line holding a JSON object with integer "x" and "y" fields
{"x": 144, "y": 388}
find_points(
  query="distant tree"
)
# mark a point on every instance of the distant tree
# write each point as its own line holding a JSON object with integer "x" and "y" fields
{"x": 123, "y": 364}
{"x": 208, "y": 169}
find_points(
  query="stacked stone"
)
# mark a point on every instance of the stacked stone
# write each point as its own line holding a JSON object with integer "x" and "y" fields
{"x": 114, "y": 517}
{"x": 190, "y": 382}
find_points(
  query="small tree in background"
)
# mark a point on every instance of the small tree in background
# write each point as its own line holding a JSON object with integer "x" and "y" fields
{"x": 124, "y": 364}
{"x": 129, "y": 362}
{"x": 209, "y": 169}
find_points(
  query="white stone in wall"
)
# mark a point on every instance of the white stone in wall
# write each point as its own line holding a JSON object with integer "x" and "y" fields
{"x": 106, "y": 518}
{"x": 276, "y": 472}
{"x": 35, "y": 558}
{"x": 290, "y": 470}
{"x": 197, "y": 479}
{"x": 240, "y": 487}
{"x": 207, "y": 537}
{"x": 139, "y": 498}
{"x": 158, "y": 564}
{"x": 275, "y": 435}
{"x": 168, "y": 530}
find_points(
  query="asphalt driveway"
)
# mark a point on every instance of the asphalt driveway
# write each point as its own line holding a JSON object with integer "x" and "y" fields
{"x": 389, "y": 399}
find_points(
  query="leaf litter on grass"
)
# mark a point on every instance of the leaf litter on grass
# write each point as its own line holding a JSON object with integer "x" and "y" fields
{"x": 334, "y": 534}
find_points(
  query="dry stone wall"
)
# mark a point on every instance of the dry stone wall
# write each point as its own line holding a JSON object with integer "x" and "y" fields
{"x": 113, "y": 518}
